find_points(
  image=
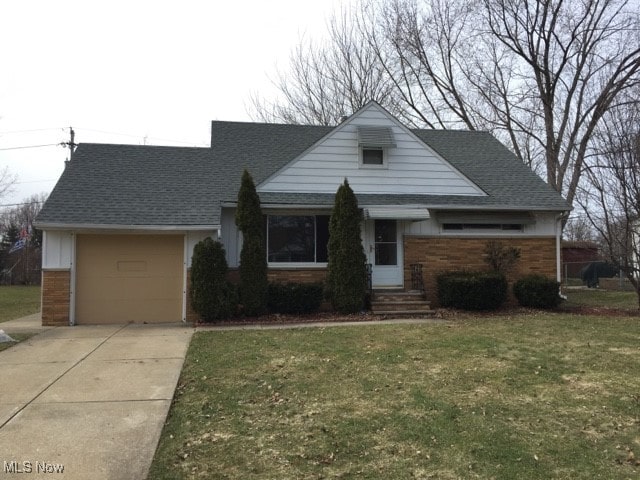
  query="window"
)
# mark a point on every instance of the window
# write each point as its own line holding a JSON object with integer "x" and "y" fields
{"x": 297, "y": 238}
{"x": 372, "y": 156}
{"x": 374, "y": 143}
{"x": 483, "y": 226}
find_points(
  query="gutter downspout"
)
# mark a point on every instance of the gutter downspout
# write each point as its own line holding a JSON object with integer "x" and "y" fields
{"x": 559, "y": 220}
{"x": 72, "y": 281}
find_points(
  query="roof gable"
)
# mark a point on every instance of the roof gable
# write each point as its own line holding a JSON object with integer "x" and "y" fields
{"x": 410, "y": 165}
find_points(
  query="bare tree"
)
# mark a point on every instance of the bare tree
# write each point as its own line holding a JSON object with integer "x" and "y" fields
{"x": 611, "y": 198}
{"x": 578, "y": 229}
{"x": 540, "y": 74}
{"x": 7, "y": 181}
{"x": 327, "y": 81}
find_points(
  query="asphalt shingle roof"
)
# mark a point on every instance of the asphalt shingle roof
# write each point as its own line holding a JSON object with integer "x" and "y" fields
{"x": 106, "y": 184}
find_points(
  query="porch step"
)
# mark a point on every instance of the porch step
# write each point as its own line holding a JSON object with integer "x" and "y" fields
{"x": 400, "y": 303}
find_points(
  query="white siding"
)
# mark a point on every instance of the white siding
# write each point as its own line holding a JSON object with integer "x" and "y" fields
{"x": 544, "y": 226}
{"x": 231, "y": 237}
{"x": 57, "y": 249}
{"x": 195, "y": 237}
{"x": 411, "y": 167}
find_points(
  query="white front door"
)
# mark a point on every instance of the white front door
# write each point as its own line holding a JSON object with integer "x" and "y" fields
{"x": 383, "y": 246}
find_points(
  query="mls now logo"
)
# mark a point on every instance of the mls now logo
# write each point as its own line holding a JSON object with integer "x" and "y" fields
{"x": 31, "y": 467}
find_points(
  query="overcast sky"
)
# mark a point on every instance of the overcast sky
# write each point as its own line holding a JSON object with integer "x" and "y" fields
{"x": 156, "y": 69}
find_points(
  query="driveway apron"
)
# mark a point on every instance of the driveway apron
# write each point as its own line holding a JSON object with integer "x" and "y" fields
{"x": 88, "y": 401}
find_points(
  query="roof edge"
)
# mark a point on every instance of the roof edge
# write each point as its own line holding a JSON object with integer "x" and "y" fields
{"x": 107, "y": 226}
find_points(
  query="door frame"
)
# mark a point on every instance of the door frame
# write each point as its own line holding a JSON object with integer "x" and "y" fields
{"x": 384, "y": 276}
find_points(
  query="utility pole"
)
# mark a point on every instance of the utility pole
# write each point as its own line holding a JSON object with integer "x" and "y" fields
{"x": 71, "y": 143}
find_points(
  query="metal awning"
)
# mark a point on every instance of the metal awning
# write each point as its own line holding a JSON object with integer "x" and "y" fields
{"x": 396, "y": 213}
{"x": 381, "y": 137}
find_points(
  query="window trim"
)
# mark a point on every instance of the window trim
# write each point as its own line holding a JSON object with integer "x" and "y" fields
{"x": 361, "y": 163}
{"x": 453, "y": 227}
{"x": 290, "y": 265}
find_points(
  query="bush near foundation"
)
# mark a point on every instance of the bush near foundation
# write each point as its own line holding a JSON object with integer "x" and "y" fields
{"x": 472, "y": 290}
{"x": 537, "y": 291}
{"x": 212, "y": 296}
{"x": 295, "y": 298}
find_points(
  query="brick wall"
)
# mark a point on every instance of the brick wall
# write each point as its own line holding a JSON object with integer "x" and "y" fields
{"x": 279, "y": 275}
{"x": 56, "y": 292}
{"x": 441, "y": 254}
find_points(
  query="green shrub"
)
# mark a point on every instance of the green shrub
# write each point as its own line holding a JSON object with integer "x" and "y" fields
{"x": 253, "y": 256}
{"x": 472, "y": 290}
{"x": 212, "y": 296}
{"x": 346, "y": 278}
{"x": 297, "y": 298}
{"x": 537, "y": 291}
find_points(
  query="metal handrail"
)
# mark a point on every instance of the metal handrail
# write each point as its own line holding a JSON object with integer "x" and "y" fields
{"x": 417, "y": 281}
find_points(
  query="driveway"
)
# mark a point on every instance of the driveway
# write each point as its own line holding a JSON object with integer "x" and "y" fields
{"x": 88, "y": 400}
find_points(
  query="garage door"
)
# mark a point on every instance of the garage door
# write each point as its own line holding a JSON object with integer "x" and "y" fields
{"x": 129, "y": 278}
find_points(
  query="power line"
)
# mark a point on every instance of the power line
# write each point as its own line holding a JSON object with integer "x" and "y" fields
{"x": 22, "y": 203}
{"x": 31, "y": 146}
{"x": 143, "y": 137}
{"x": 32, "y": 130}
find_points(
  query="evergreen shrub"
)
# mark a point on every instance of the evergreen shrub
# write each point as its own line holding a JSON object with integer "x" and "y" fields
{"x": 212, "y": 296}
{"x": 346, "y": 278}
{"x": 253, "y": 256}
{"x": 295, "y": 298}
{"x": 472, "y": 290}
{"x": 537, "y": 291}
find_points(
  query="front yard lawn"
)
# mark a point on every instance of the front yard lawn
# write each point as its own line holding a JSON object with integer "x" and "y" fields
{"x": 537, "y": 396}
{"x": 598, "y": 298}
{"x": 18, "y": 301}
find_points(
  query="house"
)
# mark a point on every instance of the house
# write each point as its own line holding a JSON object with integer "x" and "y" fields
{"x": 121, "y": 224}
{"x": 576, "y": 255}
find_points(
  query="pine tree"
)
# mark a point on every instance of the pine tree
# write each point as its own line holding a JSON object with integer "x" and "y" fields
{"x": 253, "y": 256}
{"x": 212, "y": 296}
{"x": 346, "y": 282}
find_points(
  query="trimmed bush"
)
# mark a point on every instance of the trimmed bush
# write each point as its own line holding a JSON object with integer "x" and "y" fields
{"x": 253, "y": 256}
{"x": 537, "y": 291}
{"x": 472, "y": 290}
{"x": 212, "y": 296}
{"x": 296, "y": 298}
{"x": 346, "y": 278}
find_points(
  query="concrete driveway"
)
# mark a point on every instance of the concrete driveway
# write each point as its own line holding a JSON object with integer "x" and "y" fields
{"x": 88, "y": 400}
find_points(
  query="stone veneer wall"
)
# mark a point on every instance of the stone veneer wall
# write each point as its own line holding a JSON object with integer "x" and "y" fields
{"x": 56, "y": 297}
{"x": 441, "y": 254}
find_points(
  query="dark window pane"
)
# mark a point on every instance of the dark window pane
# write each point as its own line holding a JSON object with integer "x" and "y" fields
{"x": 386, "y": 254}
{"x": 291, "y": 238}
{"x": 385, "y": 231}
{"x": 386, "y": 242}
{"x": 322, "y": 238}
{"x": 372, "y": 156}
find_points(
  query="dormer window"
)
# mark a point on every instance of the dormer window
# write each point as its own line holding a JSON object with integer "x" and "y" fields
{"x": 374, "y": 143}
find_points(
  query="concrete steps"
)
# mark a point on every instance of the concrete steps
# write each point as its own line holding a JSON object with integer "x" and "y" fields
{"x": 400, "y": 303}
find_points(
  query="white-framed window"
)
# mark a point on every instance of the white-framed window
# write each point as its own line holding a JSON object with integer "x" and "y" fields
{"x": 297, "y": 239}
{"x": 511, "y": 227}
{"x": 373, "y": 157}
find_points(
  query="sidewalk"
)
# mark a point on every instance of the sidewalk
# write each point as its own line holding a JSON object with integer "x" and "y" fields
{"x": 88, "y": 400}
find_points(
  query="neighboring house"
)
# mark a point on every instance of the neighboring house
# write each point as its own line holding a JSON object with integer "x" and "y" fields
{"x": 121, "y": 224}
{"x": 576, "y": 255}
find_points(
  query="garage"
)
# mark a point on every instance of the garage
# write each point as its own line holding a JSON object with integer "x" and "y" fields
{"x": 129, "y": 278}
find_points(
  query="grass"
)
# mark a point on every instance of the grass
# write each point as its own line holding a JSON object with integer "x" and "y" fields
{"x": 18, "y": 301}
{"x": 539, "y": 396}
{"x": 593, "y": 297}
